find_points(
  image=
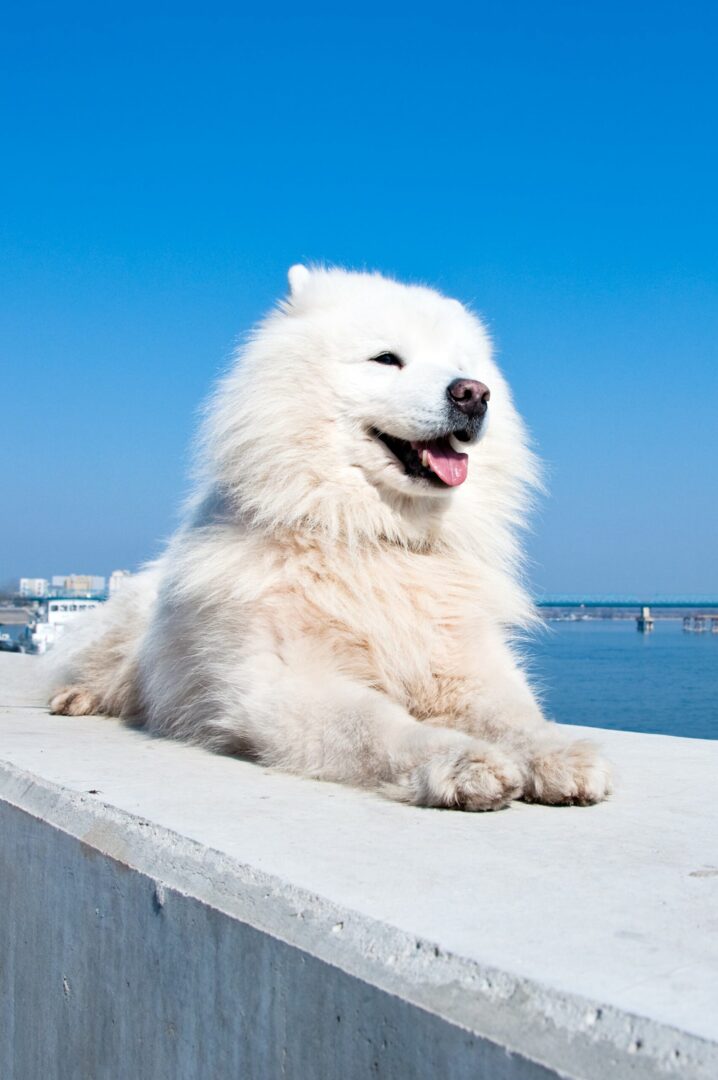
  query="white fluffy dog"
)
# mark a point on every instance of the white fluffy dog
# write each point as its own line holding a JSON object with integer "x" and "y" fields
{"x": 341, "y": 599}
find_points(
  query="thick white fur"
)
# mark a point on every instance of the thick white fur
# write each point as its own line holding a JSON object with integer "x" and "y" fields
{"x": 320, "y": 609}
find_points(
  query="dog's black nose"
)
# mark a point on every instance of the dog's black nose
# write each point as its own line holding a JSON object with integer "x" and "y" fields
{"x": 469, "y": 396}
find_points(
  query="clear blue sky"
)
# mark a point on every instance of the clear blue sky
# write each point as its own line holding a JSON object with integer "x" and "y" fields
{"x": 554, "y": 164}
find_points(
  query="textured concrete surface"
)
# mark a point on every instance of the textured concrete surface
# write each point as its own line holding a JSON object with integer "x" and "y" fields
{"x": 169, "y": 913}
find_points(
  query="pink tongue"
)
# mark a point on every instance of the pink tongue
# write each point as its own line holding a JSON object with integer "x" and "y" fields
{"x": 448, "y": 465}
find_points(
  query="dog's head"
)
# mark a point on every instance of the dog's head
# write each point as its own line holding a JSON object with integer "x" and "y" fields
{"x": 363, "y": 401}
{"x": 405, "y": 373}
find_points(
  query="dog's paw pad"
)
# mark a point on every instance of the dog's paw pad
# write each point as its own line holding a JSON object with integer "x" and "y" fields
{"x": 571, "y": 775}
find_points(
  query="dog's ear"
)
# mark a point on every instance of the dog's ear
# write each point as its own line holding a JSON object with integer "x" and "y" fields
{"x": 298, "y": 277}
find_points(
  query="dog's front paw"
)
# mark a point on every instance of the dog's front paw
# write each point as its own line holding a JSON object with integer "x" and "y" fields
{"x": 571, "y": 775}
{"x": 465, "y": 779}
{"x": 74, "y": 701}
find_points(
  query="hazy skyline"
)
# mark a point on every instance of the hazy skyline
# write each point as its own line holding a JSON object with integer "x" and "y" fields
{"x": 554, "y": 167}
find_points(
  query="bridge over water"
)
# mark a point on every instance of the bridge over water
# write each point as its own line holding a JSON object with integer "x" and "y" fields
{"x": 549, "y": 600}
{"x": 610, "y": 600}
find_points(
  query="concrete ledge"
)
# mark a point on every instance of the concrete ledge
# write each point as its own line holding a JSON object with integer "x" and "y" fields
{"x": 168, "y": 913}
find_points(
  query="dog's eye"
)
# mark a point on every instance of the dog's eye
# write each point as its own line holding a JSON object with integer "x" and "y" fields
{"x": 389, "y": 358}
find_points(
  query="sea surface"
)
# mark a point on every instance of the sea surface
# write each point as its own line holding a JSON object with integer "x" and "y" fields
{"x": 604, "y": 673}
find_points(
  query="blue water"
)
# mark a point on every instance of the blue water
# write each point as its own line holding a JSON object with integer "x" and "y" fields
{"x": 606, "y": 674}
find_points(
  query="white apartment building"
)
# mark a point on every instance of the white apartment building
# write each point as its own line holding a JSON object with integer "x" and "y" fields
{"x": 118, "y": 579}
{"x": 33, "y": 586}
{"x": 78, "y": 583}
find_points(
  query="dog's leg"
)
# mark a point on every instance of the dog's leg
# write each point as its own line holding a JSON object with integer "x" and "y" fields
{"x": 558, "y": 770}
{"x": 333, "y": 729}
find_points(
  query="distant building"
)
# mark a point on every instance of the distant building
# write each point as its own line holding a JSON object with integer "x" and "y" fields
{"x": 78, "y": 584}
{"x": 33, "y": 586}
{"x": 59, "y": 612}
{"x": 118, "y": 580}
{"x": 62, "y": 612}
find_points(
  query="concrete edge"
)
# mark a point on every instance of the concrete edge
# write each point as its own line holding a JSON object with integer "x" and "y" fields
{"x": 557, "y": 1030}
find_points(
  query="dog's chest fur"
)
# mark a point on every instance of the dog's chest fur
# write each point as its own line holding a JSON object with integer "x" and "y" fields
{"x": 403, "y": 622}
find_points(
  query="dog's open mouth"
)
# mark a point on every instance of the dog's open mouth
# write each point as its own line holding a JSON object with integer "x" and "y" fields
{"x": 434, "y": 460}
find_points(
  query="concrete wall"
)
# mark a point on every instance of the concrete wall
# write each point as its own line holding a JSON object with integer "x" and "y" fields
{"x": 110, "y": 974}
{"x": 167, "y": 913}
